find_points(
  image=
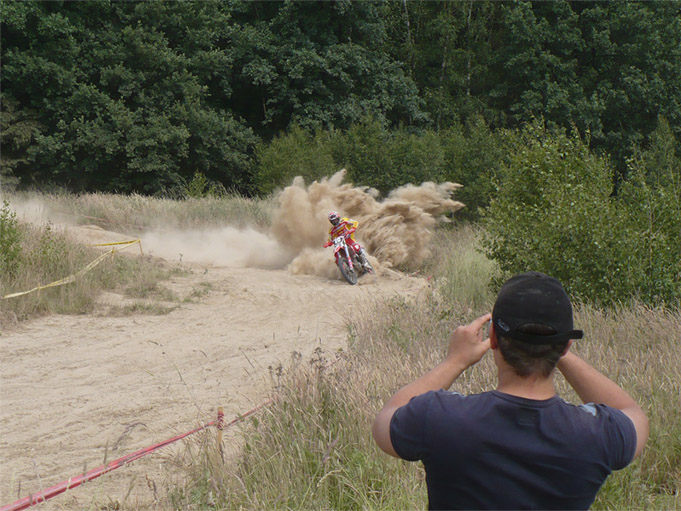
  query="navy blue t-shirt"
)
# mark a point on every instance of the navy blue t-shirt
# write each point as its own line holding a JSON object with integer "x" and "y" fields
{"x": 497, "y": 451}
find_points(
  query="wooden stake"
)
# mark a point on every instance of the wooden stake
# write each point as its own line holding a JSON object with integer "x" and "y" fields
{"x": 221, "y": 425}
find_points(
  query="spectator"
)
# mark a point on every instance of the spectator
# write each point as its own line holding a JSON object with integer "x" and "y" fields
{"x": 519, "y": 446}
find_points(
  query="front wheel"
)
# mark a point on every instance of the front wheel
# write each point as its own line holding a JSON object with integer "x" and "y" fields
{"x": 347, "y": 272}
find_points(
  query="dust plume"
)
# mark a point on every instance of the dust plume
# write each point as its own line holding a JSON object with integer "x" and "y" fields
{"x": 33, "y": 211}
{"x": 395, "y": 231}
{"x": 242, "y": 248}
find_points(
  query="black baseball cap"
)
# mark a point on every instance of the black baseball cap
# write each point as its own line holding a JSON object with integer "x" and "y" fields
{"x": 533, "y": 297}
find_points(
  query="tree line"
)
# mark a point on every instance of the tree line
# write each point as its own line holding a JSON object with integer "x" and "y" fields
{"x": 141, "y": 96}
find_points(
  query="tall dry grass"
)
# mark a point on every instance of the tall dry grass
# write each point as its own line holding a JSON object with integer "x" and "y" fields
{"x": 48, "y": 253}
{"x": 133, "y": 214}
{"x": 312, "y": 449}
{"x": 638, "y": 347}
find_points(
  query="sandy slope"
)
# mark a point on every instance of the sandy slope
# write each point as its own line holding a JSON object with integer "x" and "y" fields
{"x": 75, "y": 389}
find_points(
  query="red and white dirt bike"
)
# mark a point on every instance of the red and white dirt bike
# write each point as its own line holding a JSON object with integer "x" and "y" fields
{"x": 350, "y": 263}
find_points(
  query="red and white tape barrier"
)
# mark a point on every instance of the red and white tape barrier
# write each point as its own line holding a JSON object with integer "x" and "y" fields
{"x": 73, "y": 482}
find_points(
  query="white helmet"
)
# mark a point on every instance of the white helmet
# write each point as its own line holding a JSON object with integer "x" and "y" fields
{"x": 334, "y": 218}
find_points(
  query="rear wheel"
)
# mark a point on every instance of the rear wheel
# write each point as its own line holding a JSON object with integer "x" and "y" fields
{"x": 348, "y": 273}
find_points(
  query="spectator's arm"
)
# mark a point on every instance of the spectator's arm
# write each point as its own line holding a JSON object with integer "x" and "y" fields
{"x": 593, "y": 387}
{"x": 466, "y": 347}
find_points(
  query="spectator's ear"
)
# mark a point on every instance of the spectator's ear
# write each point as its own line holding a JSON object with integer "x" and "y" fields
{"x": 567, "y": 348}
{"x": 493, "y": 342}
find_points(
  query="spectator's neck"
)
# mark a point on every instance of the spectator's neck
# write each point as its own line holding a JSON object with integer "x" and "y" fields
{"x": 533, "y": 387}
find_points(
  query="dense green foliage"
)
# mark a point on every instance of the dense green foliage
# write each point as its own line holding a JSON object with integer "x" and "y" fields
{"x": 609, "y": 68}
{"x": 120, "y": 95}
{"x": 555, "y": 213}
{"x": 193, "y": 98}
{"x": 10, "y": 241}
{"x": 295, "y": 153}
{"x": 472, "y": 156}
{"x": 651, "y": 205}
{"x": 140, "y": 96}
{"x": 384, "y": 159}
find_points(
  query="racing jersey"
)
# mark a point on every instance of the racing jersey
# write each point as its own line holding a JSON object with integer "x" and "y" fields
{"x": 344, "y": 225}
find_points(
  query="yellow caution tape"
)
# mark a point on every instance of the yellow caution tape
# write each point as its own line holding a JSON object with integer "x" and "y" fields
{"x": 71, "y": 278}
{"x": 116, "y": 243}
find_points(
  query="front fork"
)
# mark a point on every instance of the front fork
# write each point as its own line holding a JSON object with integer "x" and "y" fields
{"x": 347, "y": 256}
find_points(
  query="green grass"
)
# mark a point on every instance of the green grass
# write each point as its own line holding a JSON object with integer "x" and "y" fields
{"x": 462, "y": 271}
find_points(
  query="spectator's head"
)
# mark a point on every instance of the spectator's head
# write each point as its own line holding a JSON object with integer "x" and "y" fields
{"x": 532, "y": 319}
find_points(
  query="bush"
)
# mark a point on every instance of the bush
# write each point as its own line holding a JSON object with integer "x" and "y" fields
{"x": 364, "y": 150}
{"x": 650, "y": 200}
{"x": 472, "y": 155}
{"x": 10, "y": 242}
{"x": 296, "y": 153}
{"x": 200, "y": 186}
{"x": 385, "y": 160}
{"x": 555, "y": 213}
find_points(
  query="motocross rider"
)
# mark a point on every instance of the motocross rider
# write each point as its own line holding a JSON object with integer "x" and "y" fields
{"x": 345, "y": 227}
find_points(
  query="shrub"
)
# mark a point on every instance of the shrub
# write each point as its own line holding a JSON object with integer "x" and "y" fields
{"x": 364, "y": 150}
{"x": 10, "y": 242}
{"x": 554, "y": 213}
{"x": 472, "y": 155}
{"x": 296, "y": 153}
{"x": 385, "y": 160}
{"x": 200, "y": 186}
{"x": 650, "y": 201}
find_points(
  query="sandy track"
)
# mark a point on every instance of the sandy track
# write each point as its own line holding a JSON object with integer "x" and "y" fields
{"x": 76, "y": 388}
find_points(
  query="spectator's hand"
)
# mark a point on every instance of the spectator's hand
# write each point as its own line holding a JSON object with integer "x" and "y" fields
{"x": 466, "y": 345}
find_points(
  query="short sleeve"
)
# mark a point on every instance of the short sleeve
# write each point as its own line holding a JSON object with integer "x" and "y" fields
{"x": 621, "y": 437}
{"x": 407, "y": 428}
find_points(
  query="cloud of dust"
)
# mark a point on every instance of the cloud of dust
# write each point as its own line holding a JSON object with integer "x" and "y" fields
{"x": 394, "y": 231}
{"x": 242, "y": 248}
{"x": 33, "y": 211}
{"x": 227, "y": 246}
